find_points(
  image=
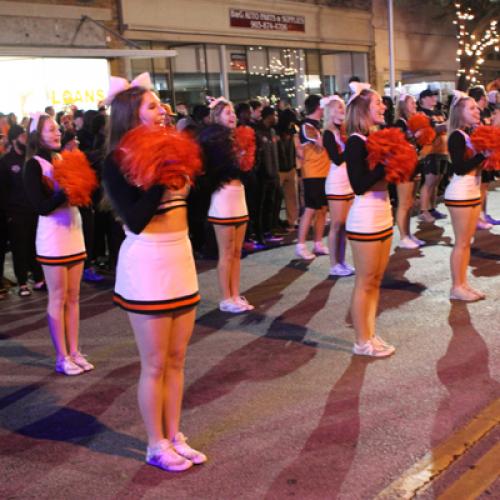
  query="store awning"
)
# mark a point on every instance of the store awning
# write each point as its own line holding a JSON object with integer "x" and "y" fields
{"x": 83, "y": 52}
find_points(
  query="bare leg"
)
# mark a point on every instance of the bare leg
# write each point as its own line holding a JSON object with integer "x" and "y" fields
{"x": 152, "y": 335}
{"x": 428, "y": 191}
{"x": 305, "y": 223}
{"x": 226, "y": 240}
{"x": 319, "y": 225}
{"x": 368, "y": 260}
{"x": 56, "y": 278}
{"x": 336, "y": 235}
{"x": 464, "y": 220}
{"x": 405, "y": 203}
{"x": 181, "y": 330}
{"x": 72, "y": 310}
{"x": 239, "y": 236}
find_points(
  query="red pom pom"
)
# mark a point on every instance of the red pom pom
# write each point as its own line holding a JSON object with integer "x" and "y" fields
{"x": 421, "y": 123}
{"x": 486, "y": 138}
{"x": 157, "y": 155}
{"x": 244, "y": 139}
{"x": 389, "y": 147}
{"x": 72, "y": 171}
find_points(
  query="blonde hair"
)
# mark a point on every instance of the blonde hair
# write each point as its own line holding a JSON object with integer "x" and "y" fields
{"x": 217, "y": 110}
{"x": 327, "y": 114}
{"x": 402, "y": 108}
{"x": 456, "y": 120}
{"x": 358, "y": 112}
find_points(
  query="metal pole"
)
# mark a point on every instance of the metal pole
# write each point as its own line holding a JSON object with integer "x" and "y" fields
{"x": 392, "y": 73}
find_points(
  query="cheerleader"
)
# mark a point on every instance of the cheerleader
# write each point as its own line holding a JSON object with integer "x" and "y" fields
{"x": 156, "y": 280}
{"x": 338, "y": 190}
{"x": 407, "y": 107}
{"x": 59, "y": 244}
{"x": 369, "y": 223}
{"x": 463, "y": 193}
{"x": 315, "y": 166}
{"x": 228, "y": 210}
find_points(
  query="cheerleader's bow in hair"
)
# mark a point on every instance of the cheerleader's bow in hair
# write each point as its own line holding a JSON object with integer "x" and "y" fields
{"x": 118, "y": 85}
{"x": 212, "y": 101}
{"x": 356, "y": 89}
{"x": 458, "y": 95}
{"x": 325, "y": 101}
{"x": 35, "y": 118}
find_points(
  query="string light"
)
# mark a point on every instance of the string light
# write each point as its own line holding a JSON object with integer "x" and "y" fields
{"x": 472, "y": 46}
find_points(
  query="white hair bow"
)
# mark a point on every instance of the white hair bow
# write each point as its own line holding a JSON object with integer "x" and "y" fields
{"x": 212, "y": 101}
{"x": 356, "y": 89}
{"x": 35, "y": 118}
{"x": 458, "y": 95}
{"x": 325, "y": 101}
{"x": 118, "y": 85}
{"x": 403, "y": 96}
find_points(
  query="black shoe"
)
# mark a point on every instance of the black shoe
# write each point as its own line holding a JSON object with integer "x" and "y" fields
{"x": 24, "y": 291}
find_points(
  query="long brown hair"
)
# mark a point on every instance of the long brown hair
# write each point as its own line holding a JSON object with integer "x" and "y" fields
{"x": 34, "y": 143}
{"x": 124, "y": 114}
{"x": 358, "y": 112}
{"x": 456, "y": 114}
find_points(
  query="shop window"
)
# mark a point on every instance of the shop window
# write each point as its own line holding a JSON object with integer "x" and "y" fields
{"x": 213, "y": 70}
{"x": 237, "y": 65}
{"x": 258, "y": 82}
{"x": 190, "y": 82}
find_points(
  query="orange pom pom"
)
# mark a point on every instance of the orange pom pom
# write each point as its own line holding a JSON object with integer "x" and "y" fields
{"x": 157, "y": 155}
{"x": 486, "y": 138}
{"x": 421, "y": 123}
{"x": 72, "y": 171}
{"x": 389, "y": 147}
{"x": 244, "y": 139}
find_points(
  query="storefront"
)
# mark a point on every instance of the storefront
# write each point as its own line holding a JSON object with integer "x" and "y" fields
{"x": 281, "y": 52}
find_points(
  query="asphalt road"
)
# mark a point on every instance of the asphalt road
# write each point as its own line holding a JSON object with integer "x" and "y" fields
{"x": 274, "y": 397}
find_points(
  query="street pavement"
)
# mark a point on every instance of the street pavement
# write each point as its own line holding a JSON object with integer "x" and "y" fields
{"x": 273, "y": 397}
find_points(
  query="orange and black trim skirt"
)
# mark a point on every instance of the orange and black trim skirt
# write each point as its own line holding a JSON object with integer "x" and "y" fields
{"x": 61, "y": 261}
{"x": 378, "y": 236}
{"x": 157, "y": 306}
{"x": 229, "y": 221}
{"x": 463, "y": 203}
{"x": 340, "y": 197}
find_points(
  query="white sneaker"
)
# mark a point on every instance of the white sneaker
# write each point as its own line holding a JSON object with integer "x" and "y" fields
{"x": 420, "y": 243}
{"x": 482, "y": 224}
{"x": 183, "y": 449}
{"x": 380, "y": 342}
{"x": 491, "y": 220}
{"x": 302, "y": 252}
{"x": 408, "y": 243}
{"x": 163, "y": 455}
{"x": 230, "y": 306}
{"x": 348, "y": 267}
{"x": 320, "y": 249}
{"x": 242, "y": 301}
{"x": 475, "y": 291}
{"x": 79, "y": 359}
{"x": 67, "y": 366}
{"x": 373, "y": 349}
{"x": 340, "y": 270}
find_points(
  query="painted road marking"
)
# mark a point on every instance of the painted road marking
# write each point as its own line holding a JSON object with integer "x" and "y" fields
{"x": 420, "y": 476}
{"x": 471, "y": 484}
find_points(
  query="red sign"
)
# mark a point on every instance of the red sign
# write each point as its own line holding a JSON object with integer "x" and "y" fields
{"x": 253, "y": 19}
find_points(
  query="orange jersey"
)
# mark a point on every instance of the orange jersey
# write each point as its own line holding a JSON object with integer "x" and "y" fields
{"x": 316, "y": 162}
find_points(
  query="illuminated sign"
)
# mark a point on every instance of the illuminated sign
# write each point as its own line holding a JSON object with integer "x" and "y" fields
{"x": 256, "y": 20}
{"x": 31, "y": 84}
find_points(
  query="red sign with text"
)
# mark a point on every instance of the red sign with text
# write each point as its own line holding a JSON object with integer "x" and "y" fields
{"x": 266, "y": 21}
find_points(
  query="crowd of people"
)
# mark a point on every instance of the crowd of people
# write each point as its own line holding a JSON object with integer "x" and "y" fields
{"x": 172, "y": 187}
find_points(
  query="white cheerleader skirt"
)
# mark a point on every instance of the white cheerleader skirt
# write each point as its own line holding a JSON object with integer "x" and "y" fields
{"x": 228, "y": 206}
{"x": 156, "y": 273}
{"x": 337, "y": 185}
{"x": 370, "y": 217}
{"x": 59, "y": 237}
{"x": 463, "y": 191}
